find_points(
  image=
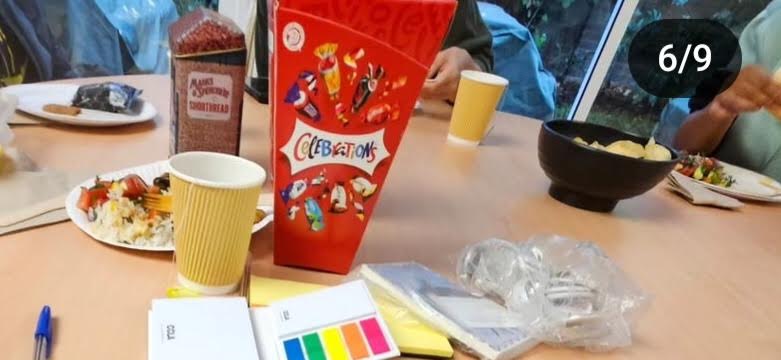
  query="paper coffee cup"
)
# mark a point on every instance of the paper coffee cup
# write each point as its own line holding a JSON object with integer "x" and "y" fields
{"x": 478, "y": 95}
{"x": 214, "y": 201}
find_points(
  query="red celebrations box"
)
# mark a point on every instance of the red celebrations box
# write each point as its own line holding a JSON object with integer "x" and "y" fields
{"x": 345, "y": 77}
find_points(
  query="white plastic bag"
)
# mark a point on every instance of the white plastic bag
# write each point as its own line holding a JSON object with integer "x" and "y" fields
{"x": 570, "y": 291}
{"x": 7, "y": 108}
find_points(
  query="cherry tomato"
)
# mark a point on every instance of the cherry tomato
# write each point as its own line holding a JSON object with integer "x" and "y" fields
{"x": 134, "y": 186}
{"x": 85, "y": 201}
{"x": 91, "y": 198}
{"x": 687, "y": 171}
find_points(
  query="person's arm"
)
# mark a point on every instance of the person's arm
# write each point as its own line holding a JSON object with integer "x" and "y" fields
{"x": 467, "y": 47}
{"x": 469, "y": 32}
{"x": 704, "y": 129}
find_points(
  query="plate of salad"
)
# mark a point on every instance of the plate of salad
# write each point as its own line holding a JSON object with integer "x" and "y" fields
{"x": 110, "y": 209}
{"x": 730, "y": 180}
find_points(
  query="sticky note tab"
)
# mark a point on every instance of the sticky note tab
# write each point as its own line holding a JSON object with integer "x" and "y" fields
{"x": 375, "y": 336}
{"x": 334, "y": 345}
{"x": 314, "y": 349}
{"x": 354, "y": 340}
{"x": 293, "y": 349}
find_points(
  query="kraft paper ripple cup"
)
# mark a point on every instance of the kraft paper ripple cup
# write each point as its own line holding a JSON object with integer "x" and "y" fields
{"x": 214, "y": 201}
{"x": 478, "y": 95}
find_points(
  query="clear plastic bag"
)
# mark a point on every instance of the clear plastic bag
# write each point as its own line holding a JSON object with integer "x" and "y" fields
{"x": 571, "y": 292}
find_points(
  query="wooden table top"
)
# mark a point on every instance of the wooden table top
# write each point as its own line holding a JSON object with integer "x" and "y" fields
{"x": 714, "y": 274}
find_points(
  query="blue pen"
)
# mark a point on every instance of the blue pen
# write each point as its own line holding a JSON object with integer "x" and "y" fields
{"x": 43, "y": 334}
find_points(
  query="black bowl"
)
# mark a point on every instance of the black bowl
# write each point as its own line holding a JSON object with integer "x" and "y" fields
{"x": 592, "y": 179}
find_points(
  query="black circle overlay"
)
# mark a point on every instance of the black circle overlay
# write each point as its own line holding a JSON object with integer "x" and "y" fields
{"x": 647, "y": 45}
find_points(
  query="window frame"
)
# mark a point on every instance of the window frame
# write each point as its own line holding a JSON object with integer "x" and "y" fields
{"x": 603, "y": 58}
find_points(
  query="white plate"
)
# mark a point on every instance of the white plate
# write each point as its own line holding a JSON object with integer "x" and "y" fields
{"x": 148, "y": 173}
{"x": 748, "y": 185}
{"x": 32, "y": 98}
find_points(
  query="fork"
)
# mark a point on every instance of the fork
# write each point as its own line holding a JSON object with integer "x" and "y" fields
{"x": 164, "y": 203}
{"x": 161, "y": 203}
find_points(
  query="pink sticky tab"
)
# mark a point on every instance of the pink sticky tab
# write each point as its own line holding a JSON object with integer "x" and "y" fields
{"x": 374, "y": 336}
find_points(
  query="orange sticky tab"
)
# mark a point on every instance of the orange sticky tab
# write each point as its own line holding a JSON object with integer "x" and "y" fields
{"x": 354, "y": 339}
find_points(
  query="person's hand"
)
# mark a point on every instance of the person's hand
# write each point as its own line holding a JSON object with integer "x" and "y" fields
{"x": 445, "y": 72}
{"x": 752, "y": 90}
{"x": 775, "y": 108}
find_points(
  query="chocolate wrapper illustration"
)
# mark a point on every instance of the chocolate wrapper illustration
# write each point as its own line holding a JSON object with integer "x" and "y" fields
{"x": 344, "y": 156}
{"x": 310, "y": 80}
{"x": 351, "y": 58}
{"x": 351, "y": 61}
{"x": 341, "y": 113}
{"x": 338, "y": 199}
{"x": 301, "y": 93}
{"x": 359, "y": 210}
{"x": 329, "y": 68}
{"x": 367, "y": 86}
{"x": 319, "y": 180}
{"x": 291, "y": 213}
{"x": 314, "y": 215}
{"x": 363, "y": 186}
{"x": 380, "y": 113}
{"x": 293, "y": 191}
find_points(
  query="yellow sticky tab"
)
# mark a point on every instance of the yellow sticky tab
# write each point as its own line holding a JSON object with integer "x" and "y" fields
{"x": 334, "y": 344}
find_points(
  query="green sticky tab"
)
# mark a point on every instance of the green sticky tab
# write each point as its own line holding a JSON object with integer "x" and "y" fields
{"x": 314, "y": 348}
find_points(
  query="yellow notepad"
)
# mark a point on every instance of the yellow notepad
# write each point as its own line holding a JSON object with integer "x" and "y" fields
{"x": 412, "y": 336}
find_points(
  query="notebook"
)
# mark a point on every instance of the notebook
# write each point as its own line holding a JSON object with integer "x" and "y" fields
{"x": 412, "y": 336}
{"x": 201, "y": 329}
{"x": 482, "y": 325}
{"x": 338, "y": 323}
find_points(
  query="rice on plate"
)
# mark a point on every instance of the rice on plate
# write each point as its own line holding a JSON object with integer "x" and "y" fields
{"x": 116, "y": 213}
{"x": 123, "y": 220}
{"x": 112, "y": 211}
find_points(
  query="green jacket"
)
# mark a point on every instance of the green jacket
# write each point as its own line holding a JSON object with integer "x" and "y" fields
{"x": 470, "y": 33}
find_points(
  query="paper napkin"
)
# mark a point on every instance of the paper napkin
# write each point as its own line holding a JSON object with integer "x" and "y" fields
{"x": 31, "y": 196}
{"x": 698, "y": 194}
